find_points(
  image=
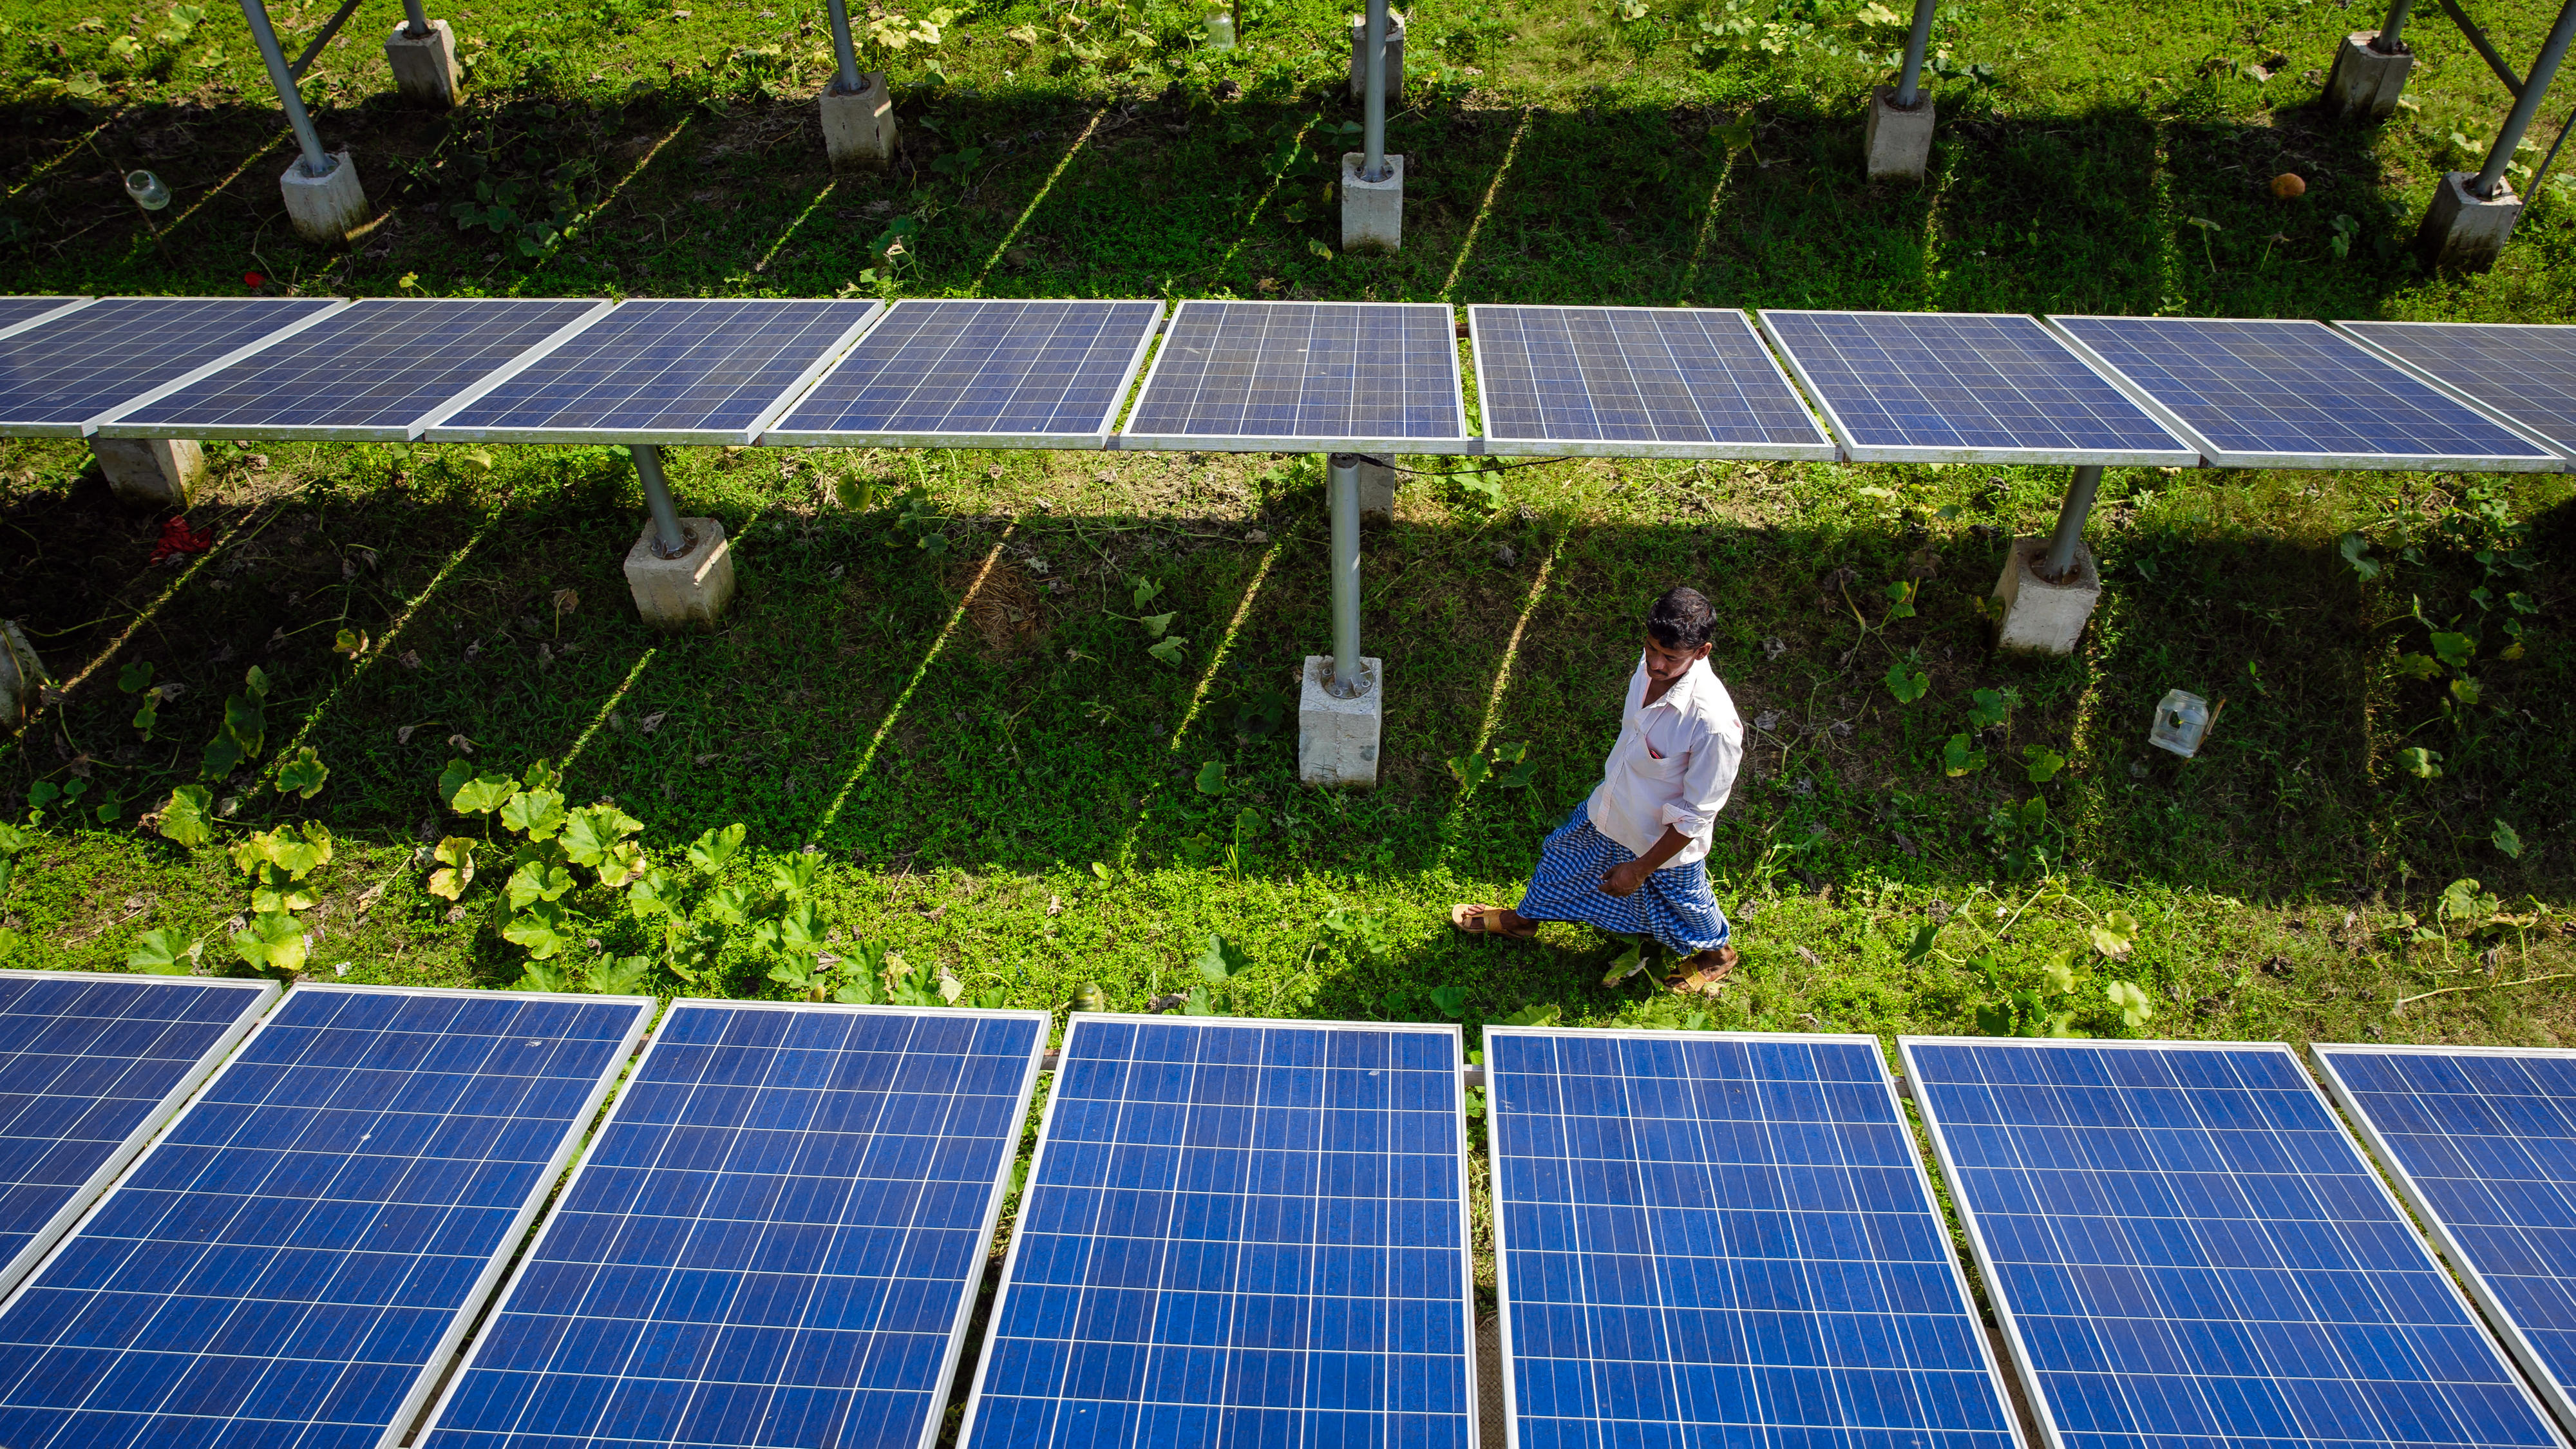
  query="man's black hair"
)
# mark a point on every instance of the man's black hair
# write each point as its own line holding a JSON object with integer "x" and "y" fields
{"x": 1681, "y": 619}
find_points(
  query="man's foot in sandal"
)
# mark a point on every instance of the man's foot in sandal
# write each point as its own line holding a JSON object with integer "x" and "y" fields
{"x": 1704, "y": 973}
{"x": 1477, "y": 920}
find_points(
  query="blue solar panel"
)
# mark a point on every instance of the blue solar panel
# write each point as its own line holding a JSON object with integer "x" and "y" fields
{"x": 673, "y": 370}
{"x": 59, "y": 376}
{"x": 1274, "y": 376}
{"x": 1614, "y": 381}
{"x": 375, "y": 372}
{"x": 18, "y": 312}
{"x": 2186, "y": 1248}
{"x": 1724, "y": 1240}
{"x": 773, "y": 1241}
{"x": 2482, "y": 1140}
{"x": 1238, "y": 1233}
{"x": 2292, "y": 394}
{"x": 293, "y": 1261}
{"x": 1958, "y": 387}
{"x": 979, "y": 374}
{"x": 2525, "y": 372}
{"x": 89, "y": 1066}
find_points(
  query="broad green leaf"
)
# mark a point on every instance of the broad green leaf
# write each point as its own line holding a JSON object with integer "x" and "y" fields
{"x": 536, "y": 814}
{"x": 1511, "y": 754}
{"x": 795, "y": 974}
{"x": 275, "y": 890}
{"x": 621, "y": 975}
{"x": 189, "y": 818}
{"x": 593, "y": 830}
{"x": 1169, "y": 651}
{"x": 255, "y": 679}
{"x": 1157, "y": 624}
{"x": 1198, "y": 1003}
{"x": 2135, "y": 1007}
{"x": 273, "y": 941}
{"x": 1211, "y": 778}
{"x": 1100, "y": 870}
{"x": 1988, "y": 708}
{"x": 2356, "y": 552}
{"x": 13, "y": 840}
{"x": 1146, "y": 591}
{"x": 538, "y": 880}
{"x": 246, "y": 724}
{"x": 544, "y": 928}
{"x": 1906, "y": 684}
{"x": 800, "y": 929}
{"x": 1900, "y": 601}
{"x": 1223, "y": 960}
{"x": 2455, "y": 650}
{"x": 223, "y": 756}
{"x": 2059, "y": 974}
{"x": 623, "y": 863}
{"x": 1452, "y": 1000}
{"x": 1469, "y": 771}
{"x": 543, "y": 776}
{"x": 2420, "y": 762}
{"x": 453, "y": 779}
{"x": 1921, "y": 946}
{"x": 794, "y": 875}
{"x": 1957, "y": 758}
{"x": 864, "y": 988}
{"x": 164, "y": 951}
{"x": 135, "y": 678}
{"x": 714, "y": 848}
{"x": 483, "y": 794}
{"x": 455, "y": 857}
{"x": 148, "y": 718}
{"x": 655, "y": 893}
{"x": 2115, "y": 933}
{"x": 302, "y": 773}
{"x": 730, "y": 904}
{"x": 2042, "y": 763}
{"x": 542, "y": 975}
{"x": 1534, "y": 1015}
{"x": 2506, "y": 840}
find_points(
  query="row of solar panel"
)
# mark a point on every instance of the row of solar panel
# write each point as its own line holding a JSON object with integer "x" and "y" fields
{"x": 1289, "y": 376}
{"x": 1240, "y": 1232}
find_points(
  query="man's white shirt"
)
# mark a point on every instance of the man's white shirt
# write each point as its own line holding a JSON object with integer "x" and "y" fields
{"x": 1674, "y": 764}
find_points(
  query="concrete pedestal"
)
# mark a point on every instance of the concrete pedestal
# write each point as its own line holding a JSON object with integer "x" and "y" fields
{"x": 1899, "y": 141}
{"x": 324, "y": 208}
{"x": 1337, "y": 738}
{"x": 2041, "y": 617}
{"x": 1394, "y": 59}
{"x": 425, "y": 68}
{"x": 22, "y": 677}
{"x": 1372, "y": 211}
{"x": 858, "y": 127}
{"x": 2464, "y": 232}
{"x": 1377, "y": 490}
{"x": 688, "y": 592}
{"x": 2365, "y": 84}
{"x": 155, "y": 472}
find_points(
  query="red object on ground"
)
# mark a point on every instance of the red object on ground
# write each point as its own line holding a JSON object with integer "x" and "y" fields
{"x": 179, "y": 540}
{"x": 253, "y": 279}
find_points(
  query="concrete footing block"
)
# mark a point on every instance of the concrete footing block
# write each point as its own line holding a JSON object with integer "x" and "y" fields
{"x": 324, "y": 208}
{"x": 1337, "y": 738}
{"x": 2464, "y": 232}
{"x": 22, "y": 677}
{"x": 1394, "y": 59}
{"x": 688, "y": 592}
{"x": 1899, "y": 140}
{"x": 2041, "y": 617}
{"x": 2365, "y": 84}
{"x": 155, "y": 472}
{"x": 1377, "y": 490}
{"x": 425, "y": 69}
{"x": 1372, "y": 211}
{"x": 858, "y": 126}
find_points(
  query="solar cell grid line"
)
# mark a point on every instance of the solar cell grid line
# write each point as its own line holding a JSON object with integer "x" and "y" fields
{"x": 1724, "y": 1238}
{"x": 2482, "y": 1143}
{"x": 1240, "y": 1234}
{"x": 1261, "y": 377}
{"x": 1664, "y": 382}
{"x": 665, "y": 371}
{"x": 60, "y": 375}
{"x": 2184, "y": 1246}
{"x": 17, "y": 314}
{"x": 2273, "y": 393}
{"x": 296, "y": 1256}
{"x": 90, "y": 1066}
{"x": 372, "y": 373}
{"x": 773, "y": 1240}
{"x": 978, "y": 373}
{"x": 1965, "y": 387}
{"x": 2525, "y": 372}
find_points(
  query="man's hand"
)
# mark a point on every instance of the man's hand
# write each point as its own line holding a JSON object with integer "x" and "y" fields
{"x": 1623, "y": 880}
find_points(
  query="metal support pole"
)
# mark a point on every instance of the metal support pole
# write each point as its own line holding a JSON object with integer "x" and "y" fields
{"x": 1343, "y": 481}
{"x": 2060, "y": 559}
{"x": 2392, "y": 31}
{"x": 2534, "y": 86}
{"x": 844, "y": 54}
{"x": 317, "y": 162}
{"x": 416, "y": 22}
{"x": 1373, "y": 107}
{"x": 670, "y": 539}
{"x": 1910, "y": 84}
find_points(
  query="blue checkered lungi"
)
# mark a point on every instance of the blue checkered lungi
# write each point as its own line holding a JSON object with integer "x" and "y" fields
{"x": 1675, "y": 905}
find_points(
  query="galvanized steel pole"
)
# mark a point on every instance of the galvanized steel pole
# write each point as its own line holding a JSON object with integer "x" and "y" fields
{"x": 1343, "y": 481}
{"x": 1910, "y": 84}
{"x": 1373, "y": 102}
{"x": 2392, "y": 30}
{"x": 2543, "y": 70}
{"x": 317, "y": 162}
{"x": 670, "y": 540}
{"x": 416, "y": 20}
{"x": 843, "y": 53}
{"x": 2070, "y": 525}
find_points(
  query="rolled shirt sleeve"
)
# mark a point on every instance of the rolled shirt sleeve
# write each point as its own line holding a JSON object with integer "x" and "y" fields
{"x": 1707, "y": 781}
{"x": 1674, "y": 766}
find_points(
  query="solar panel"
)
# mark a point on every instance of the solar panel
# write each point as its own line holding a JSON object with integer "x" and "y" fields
{"x": 1670, "y": 382}
{"x": 1724, "y": 1240}
{"x": 296, "y": 1257}
{"x": 773, "y": 1240}
{"x": 2482, "y": 1141}
{"x": 2185, "y": 1248}
{"x": 2294, "y": 394}
{"x": 90, "y": 1066}
{"x": 1238, "y": 1233}
{"x": 19, "y": 313}
{"x": 1252, "y": 377}
{"x": 667, "y": 370}
{"x": 2525, "y": 372}
{"x": 372, "y": 373}
{"x": 978, "y": 374}
{"x": 60, "y": 376}
{"x": 1964, "y": 387}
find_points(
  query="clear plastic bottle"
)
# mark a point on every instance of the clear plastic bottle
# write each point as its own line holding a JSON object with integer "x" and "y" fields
{"x": 2182, "y": 719}
{"x": 1220, "y": 29}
